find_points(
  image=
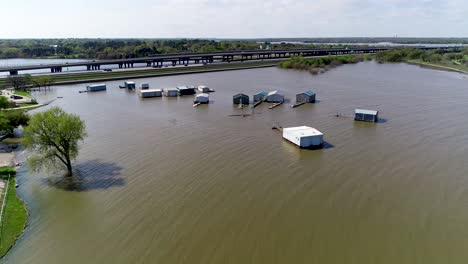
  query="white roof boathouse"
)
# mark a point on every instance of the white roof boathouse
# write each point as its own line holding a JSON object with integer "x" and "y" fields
{"x": 130, "y": 85}
{"x": 202, "y": 98}
{"x": 304, "y": 137}
{"x": 275, "y": 97}
{"x": 96, "y": 87}
{"x": 204, "y": 89}
{"x": 366, "y": 115}
{"x": 150, "y": 93}
{"x": 171, "y": 92}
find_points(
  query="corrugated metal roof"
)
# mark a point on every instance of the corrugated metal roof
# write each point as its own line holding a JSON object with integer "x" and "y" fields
{"x": 310, "y": 93}
{"x": 262, "y": 93}
{"x": 366, "y": 112}
{"x": 276, "y": 92}
{"x": 240, "y": 95}
{"x": 303, "y": 131}
{"x": 202, "y": 95}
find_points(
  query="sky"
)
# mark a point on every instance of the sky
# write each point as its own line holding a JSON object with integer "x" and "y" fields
{"x": 232, "y": 18}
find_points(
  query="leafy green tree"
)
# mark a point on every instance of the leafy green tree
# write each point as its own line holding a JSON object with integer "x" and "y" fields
{"x": 53, "y": 136}
{"x": 4, "y": 102}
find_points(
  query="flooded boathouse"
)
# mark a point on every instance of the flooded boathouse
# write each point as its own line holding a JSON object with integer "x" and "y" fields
{"x": 241, "y": 99}
{"x": 366, "y": 115}
{"x": 275, "y": 97}
{"x": 304, "y": 137}
{"x": 306, "y": 97}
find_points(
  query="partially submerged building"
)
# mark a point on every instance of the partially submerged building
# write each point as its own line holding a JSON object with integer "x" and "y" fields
{"x": 275, "y": 97}
{"x": 306, "y": 97}
{"x": 148, "y": 93}
{"x": 202, "y": 98}
{"x": 96, "y": 87}
{"x": 171, "y": 92}
{"x": 204, "y": 89}
{"x": 144, "y": 86}
{"x": 241, "y": 99}
{"x": 186, "y": 90}
{"x": 366, "y": 115}
{"x": 304, "y": 137}
{"x": 130, "y": 85}
{"x": 261, "y": 96}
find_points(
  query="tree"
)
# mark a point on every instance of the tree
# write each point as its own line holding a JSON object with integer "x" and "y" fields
{"x": 53, "y": 136}
{"x": 4, "y": 102}
{"x": 19, "y": 81}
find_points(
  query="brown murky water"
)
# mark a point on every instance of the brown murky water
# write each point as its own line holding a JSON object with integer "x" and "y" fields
{"x": 162, "y": 182}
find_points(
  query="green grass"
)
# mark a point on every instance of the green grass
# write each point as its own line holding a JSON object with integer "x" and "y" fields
{"x": 14, "y": 219}
{"x": 23, "y": 93}
{"x": 96, "y": 75}
{"x": 444, "y": 65}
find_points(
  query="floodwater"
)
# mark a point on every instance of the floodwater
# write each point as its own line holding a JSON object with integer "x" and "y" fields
{"x": 159, "y": 181}
{"x": 5, "y": 63}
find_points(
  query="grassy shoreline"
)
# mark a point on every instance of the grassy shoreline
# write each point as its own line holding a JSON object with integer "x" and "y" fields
{"x": 14, "y": 220}
{"x": 439, "y": 66}
{"x": 94, "y": 76}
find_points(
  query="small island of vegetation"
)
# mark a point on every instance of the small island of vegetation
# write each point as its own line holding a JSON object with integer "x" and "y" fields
{"x": 322, "y": 64}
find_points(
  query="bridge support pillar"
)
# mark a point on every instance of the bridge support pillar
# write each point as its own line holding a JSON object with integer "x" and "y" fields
{"x": 13, "y": 72}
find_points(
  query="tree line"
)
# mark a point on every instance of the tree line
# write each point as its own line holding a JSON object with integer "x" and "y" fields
{"x": 122, "y": 48}
{"x": 433, "y": 56}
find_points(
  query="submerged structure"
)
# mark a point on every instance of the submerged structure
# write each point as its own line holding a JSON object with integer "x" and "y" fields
{"x": 96, "y": 87}
{"x": 202, "y": 98}
{"x": 259, "y": 97}
{"x": 171, "y": 92}
{"x": 304, "y": 137}
{"x": 366, "y": 115}
{"x": 186, "y": 90}
{"x": 130, "y": 85}
{"x": 306, "y": 97}
{"x": 275, "y": 97}
{"x": 204, "y": 89}
{"x": 148, "y": 93}
{"x": 144, "y": 86}
{"x": 241, "y": 99}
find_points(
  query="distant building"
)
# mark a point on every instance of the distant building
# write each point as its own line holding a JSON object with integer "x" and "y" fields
{"x": 202, "y": 98}
{"x": 306, "y": 97}
{"x": 261, "y": 96}
{"x": 171, "y": 92}
{"x": 130, "y": 85}
{"x": 186, "y": 90}
{"x": 148, "y": 93}
{"x": 275, "y": 97}
{"x": 304, "y": 137}
{"x": 241, "y": 99}
{"x": 96, "y": 87}
{"x": 366, "y": 115}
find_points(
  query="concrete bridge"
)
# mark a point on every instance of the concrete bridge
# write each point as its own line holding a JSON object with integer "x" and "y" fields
{"x": 188, "y": 58}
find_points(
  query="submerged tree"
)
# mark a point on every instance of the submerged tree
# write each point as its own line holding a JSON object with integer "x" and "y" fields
{"x": 53, "y": 136}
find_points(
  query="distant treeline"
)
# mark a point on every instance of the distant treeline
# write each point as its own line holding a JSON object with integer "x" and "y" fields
{"x": 322, "y": 64}
{"x": 121, "y": 48}
{"x": 371, "y": 40}
{"x": 433, "y": 56}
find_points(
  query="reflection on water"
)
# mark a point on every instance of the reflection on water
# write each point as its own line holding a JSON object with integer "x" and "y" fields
{"x": 162, "y": 182}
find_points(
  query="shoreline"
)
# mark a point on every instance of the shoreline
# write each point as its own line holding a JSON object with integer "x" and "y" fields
{"x": 436, "y": 66}
{"x": 20, "y": 218}
{"x": 138, "y": 73}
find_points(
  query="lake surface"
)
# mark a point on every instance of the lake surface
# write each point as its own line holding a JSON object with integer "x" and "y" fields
{"x": 27, "y": 62}
{"x": 159, "y": 181}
